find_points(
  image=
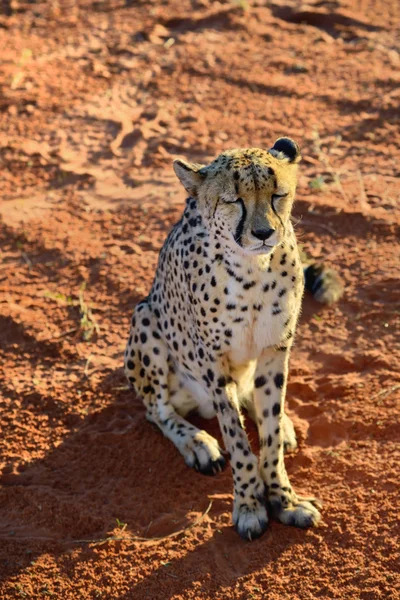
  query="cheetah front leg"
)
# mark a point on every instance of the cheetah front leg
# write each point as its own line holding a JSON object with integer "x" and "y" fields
{"x": 249, "y": 510}
{"x": 199, "y": 449}
{"x": 269, "y": 397}
{"x": 147, "y": 368}
{"x": 289, "y": 434}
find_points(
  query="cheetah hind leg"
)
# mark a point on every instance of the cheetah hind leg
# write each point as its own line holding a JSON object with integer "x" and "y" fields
{"x": 147, "y": 368}
{"x": 185, "y": 401}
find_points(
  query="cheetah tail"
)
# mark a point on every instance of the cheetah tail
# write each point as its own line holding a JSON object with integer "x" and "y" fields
{"x": 324, "y": 283}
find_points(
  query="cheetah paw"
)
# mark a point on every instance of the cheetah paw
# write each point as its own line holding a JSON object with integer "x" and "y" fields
{"x": 302, "y": 512}
{"x": 250, "y": 522}
{"x": 203, "y": 453}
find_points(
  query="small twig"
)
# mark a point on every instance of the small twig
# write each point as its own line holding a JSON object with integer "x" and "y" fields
{"x": 385, "y": 392}
{"x": 86, "y": 369}
{"x": 27, "y": 259}
{"x": 336, "y": 179}
{"x": 61, "y": 335}
{"x": 113, "y": 538}
{"x": 147, "y": 528}
{"x": 88, "y": 323}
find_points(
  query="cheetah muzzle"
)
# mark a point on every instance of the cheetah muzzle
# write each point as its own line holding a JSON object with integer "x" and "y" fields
{"x": 216, "y": 330}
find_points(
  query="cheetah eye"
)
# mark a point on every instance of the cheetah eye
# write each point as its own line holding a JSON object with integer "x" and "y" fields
{"x": 235, "y": 201}
{"x": 275, "y": 199}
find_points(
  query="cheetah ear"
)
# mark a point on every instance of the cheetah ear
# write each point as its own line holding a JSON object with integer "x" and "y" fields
{"x": 191, "y": 175}
{"x": 286, "y": 148}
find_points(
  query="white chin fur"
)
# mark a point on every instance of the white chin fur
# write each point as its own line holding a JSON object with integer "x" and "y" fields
{"x": 252, "y": 250}
{"x": 258, "y": 250}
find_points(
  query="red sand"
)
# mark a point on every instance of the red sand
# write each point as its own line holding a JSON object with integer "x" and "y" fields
{"x": 95, "y": 103}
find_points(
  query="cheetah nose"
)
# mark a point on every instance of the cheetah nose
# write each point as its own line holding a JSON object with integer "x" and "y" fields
{"x": 263, "y": 233}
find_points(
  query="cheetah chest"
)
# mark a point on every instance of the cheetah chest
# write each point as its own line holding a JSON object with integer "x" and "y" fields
{"x": 258, "y": 312}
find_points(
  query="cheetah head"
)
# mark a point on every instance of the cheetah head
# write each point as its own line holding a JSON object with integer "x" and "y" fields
{"x": 245, "y": 196}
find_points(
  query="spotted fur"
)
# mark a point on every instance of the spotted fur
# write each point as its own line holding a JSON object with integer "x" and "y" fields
{"x": 215, "y": 332}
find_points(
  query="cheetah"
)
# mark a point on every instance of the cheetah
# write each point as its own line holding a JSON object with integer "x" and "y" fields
{"x": 215, "y": 332}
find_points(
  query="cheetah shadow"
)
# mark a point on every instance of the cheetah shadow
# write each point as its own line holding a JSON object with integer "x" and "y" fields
{"x": 113, "y": 466}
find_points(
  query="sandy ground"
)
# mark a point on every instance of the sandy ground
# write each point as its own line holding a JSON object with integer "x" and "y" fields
{"x": 96, "y": 99}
